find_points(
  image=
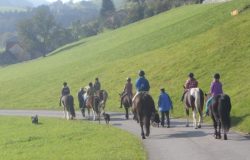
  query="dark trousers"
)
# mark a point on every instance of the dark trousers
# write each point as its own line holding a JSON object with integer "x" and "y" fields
{"x": 163, "y": 118}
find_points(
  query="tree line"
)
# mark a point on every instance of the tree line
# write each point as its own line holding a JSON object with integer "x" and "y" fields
{"x": 45, "y": 28}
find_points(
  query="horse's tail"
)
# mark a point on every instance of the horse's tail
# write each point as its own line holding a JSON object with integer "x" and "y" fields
{"x": 198, "y": 99}
{"x": 224, "y": 111}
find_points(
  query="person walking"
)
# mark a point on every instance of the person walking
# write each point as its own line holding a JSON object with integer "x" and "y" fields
{"x": 165, "y": 105}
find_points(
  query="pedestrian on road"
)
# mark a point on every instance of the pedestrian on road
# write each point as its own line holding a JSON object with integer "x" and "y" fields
{"x": 165, "y": 105}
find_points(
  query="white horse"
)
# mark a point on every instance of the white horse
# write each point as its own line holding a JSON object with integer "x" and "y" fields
{"x": 68, "y": 107}
{"x": 194, "y": 98}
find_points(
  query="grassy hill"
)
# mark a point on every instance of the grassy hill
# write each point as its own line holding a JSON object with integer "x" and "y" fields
{"x": 203, "y": 39}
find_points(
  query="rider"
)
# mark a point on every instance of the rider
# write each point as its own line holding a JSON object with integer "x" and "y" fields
{"x": 128, "y": 90}
{"x": 97, "y": 86}
{"x": 191, "y": 82}
{"x": 215, "y": 89}
{"x": 142, "y": 83}
{"x": 65, "y": 91}
{"x": 91, "y": 92}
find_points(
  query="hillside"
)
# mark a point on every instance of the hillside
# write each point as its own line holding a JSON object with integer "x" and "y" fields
{"x": 203, "y": 39}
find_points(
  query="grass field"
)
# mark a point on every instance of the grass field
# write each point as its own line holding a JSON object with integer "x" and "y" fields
{"x": 203, "y": 39}
{"x": 56, "y": 139}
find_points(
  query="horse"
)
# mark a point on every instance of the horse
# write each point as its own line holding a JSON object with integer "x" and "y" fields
{"x": 143, "y": 108}
{"x": 93, "y": 103}
{"x": 219, "y": 109}
{"x": 194, "y": 99}
{"x": 68, "y": 106}
{"x": 126, "y": 101}
{"x": 103, "y": 96}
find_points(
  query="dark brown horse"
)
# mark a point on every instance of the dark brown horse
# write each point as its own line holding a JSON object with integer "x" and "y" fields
{"x": 68, "y": 106}
{"x": 103, "y": 96}
{"x": 194, "y": 99}
{"x": 143, "y": 108}
{"x": 219, "y": 109}
{"x": 126, "y": 101}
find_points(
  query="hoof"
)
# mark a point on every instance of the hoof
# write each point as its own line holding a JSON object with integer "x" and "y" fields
{"x": 199, "y": 126}
{"x": 143, "y": 137}
{"x": 225, "y": 137}
{"x": 187, "y": 125}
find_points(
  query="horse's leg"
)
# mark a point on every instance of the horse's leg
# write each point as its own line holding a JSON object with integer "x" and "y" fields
{"x": 194, "y": 119}
{"x": 187, "y": 114}
{"x": 93, "y": 112}
{"x": 64, "y": 111}
{"x": 89, "y": 113}
{"x": 219, "y": 133}
{"x": 142, "y": 131}
{"x": 126, "y": 109}
{"x": 200, "y": 118}
{"x": 147, "y": 125}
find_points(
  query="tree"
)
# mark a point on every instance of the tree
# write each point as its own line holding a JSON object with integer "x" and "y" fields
{"x": 107, "y": 8}
{"x": 36, "y": 31}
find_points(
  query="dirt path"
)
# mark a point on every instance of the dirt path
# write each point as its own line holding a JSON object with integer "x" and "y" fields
{"x": 175, "y": 143}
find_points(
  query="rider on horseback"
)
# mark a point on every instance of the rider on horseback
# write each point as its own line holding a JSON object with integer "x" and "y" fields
{"x": 127, "y": 91}
{"x": 191, "y": 82}
{"x": 97, "y": 86}
{"x": 65, "y": 91}
{"x": 215, "y": 89}
{"x": 141, "y": 84}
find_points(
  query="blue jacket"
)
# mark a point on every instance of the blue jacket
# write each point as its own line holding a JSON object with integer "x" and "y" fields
{"x": 164, "y": 102}
{"x": 142, "y": 84}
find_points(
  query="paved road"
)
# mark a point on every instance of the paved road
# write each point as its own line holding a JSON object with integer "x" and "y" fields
{"x": 175, "y": 143}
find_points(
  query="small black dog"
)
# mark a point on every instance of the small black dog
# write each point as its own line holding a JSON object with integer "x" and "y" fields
{"x": 155, "y": 119}
{"x": 106, "y": 117}
{"x": 34, "y": 119}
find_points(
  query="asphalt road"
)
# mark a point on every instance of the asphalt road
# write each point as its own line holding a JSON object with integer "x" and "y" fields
{"x": 175, "y": 143}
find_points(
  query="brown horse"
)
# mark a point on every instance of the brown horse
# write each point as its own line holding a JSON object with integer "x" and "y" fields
{"x": 194, "y": 99}
{"x": 68, "y": 106}
{"x": 126, "y": 101}
{"x": 93, "y": 104}
{"x": 143, "y": 108}
{"x": 219, "y": 109}
{"x": 103, "y": 96}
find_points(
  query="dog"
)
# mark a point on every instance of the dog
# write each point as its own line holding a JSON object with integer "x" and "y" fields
{"x": 106, "y": 117}
{"x": 155, "y": 119}
{"x": 34, "y": 119}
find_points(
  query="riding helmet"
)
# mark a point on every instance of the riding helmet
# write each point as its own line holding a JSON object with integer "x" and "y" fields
{"x": 191, "y": 75}
{"x": 128, "y": 79}
{"x": 65, "y": 83}
{"x": 216, "y": 76}
{"x": 141, "y": 73}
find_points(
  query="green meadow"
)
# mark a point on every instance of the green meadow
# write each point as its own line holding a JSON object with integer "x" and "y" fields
{"x": 203, "y": 39}
{"x": 57, "y": 139}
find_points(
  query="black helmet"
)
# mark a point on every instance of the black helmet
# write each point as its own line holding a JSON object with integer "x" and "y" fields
{"x": 96, "y": 79}
{"x": 65, "y": 83}
{"x": 191, "y": 75}
{"x": 162, "y": 89}
{"x": 128, "y": 79}
{"x": 216, "y": 76}
{"x": 141, "y": 73}
{"x": 90, "y": 84}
